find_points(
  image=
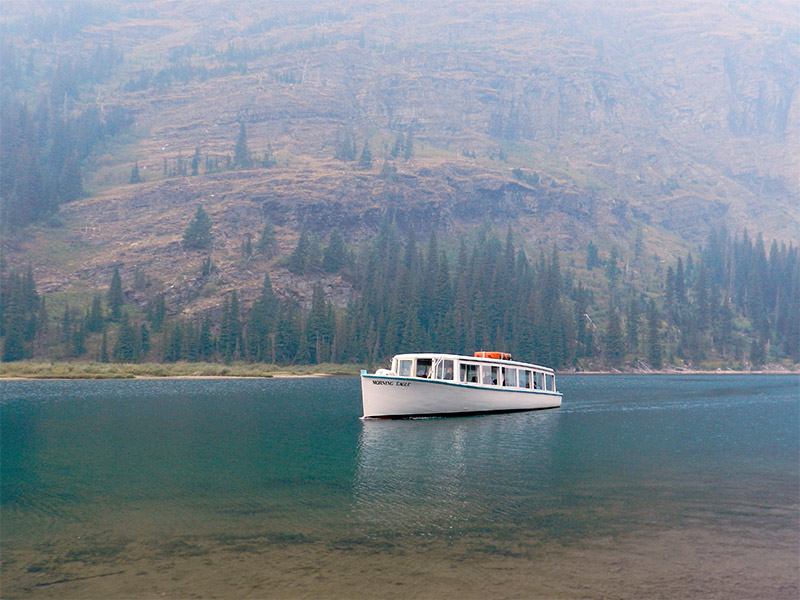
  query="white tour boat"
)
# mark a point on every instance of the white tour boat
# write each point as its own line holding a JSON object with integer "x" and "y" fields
{"x": 429, "y": 384}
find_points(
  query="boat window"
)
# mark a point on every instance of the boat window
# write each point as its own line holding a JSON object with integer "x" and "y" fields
{"x": 490, "y": 374}
{"x": 524, "y": 379}
{"x": 537, "y": 380}
{"x": 424, "y": 367}
{"x": 549, "y": 383}
{"x": 469, "y": 373}
{"x": 404, "y": 368}
{"x": 509, "y": 377}
{"x": 444, "y": 369}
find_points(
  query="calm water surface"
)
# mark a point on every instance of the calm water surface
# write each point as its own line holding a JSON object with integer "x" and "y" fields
{"x": 638, "y": 487}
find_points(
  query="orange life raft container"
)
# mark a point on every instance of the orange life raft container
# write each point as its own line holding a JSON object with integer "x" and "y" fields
{"x": 496, "y": 355}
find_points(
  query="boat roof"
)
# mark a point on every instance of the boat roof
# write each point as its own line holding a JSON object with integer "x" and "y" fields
{"x": 460, "y": 357}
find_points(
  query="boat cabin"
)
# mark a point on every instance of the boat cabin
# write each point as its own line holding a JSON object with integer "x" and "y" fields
{"x": 484, "y": 369}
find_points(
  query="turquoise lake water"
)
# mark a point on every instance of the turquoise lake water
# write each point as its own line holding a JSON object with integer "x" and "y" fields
{"x": 637, "y": 487}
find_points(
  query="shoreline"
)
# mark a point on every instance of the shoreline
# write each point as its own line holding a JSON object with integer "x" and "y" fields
{"x": 769, "y": 369}
{"x": 684, "y": 372}
{"x": 34, "y": 370}
{"x": 150, "y": 371}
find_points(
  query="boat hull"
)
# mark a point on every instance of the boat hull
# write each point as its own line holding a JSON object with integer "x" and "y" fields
{"x": 399, "y": 397}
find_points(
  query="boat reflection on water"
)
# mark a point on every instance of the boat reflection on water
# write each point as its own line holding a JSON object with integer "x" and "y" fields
{"x": 444, "y": 474}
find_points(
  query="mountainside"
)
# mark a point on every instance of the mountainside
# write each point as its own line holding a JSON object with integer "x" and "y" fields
{"x": 567, "y": 121}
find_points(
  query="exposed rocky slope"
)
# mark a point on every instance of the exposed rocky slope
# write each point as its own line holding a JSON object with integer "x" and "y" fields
{"x": 616, "y": 115}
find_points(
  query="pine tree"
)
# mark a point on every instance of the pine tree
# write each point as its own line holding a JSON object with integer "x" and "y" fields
{"x": 78, "y": 340}
{"x": 702, "y": 301}
{"x": 723, "y": 328}
{"x": 241, "y": 154}
{"x": 592, "y": 256}
{"x": 680, "y": 285}
{"x": 205, "y": 341}
{"x": 247, "y": 247}
{"x": 230, "y": 335}
{"x": 195, "y": 164}
{"x": 345, "y": 147}
{"x": 653, "y": 335}
{"x": 306, "y": 256}
{"x": 320, "y": 328}
{"x": 260, "y": 329}
{"x": 135, "y": 175}
{"x": 288, "y": 332}
{"x": 14, "y": 345}
{"x": 615, "y": 347}
{"x": 173, "y": 346}
{"x": 758, "y": 352}
{"x": 104, "y": 347}
{"x": 365, "y": 161}
{"x": 144, "y": 341}
{"x": 198, "y": 234}
{"x": 156, "y": 311}
{"x": 114, "y": 298}
{"x": 266, "y": 240}
{"x": 125, "y": 345}
{"x": 94, "y": 317}
{"x": 612, "y": 270}
{"x": 335, "y": 255}
{"x": 632, "y": 326}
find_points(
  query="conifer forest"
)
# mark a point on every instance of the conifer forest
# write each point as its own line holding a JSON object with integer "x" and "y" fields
{"x": 734, "y": 304}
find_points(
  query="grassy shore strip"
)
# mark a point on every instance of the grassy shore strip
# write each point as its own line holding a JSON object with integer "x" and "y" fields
{"x": 96, "y": 370}
{"x": 28, "y": 369}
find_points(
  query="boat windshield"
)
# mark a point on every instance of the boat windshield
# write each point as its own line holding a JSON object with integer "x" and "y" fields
{"x": 424, "y": 367}
{"x": 404, "y": 368}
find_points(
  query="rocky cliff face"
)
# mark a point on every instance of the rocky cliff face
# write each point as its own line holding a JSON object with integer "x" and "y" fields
{"x": 691, "y": 99}
{"x": 568, "y": 120}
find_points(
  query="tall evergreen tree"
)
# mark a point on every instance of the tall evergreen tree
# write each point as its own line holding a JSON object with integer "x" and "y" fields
{"x": 125, "y": 345}
{"x": 230, "y": 335}
{"x": 205, "y": 340}
{"x": 615, "y": 347}
{"x": 267, "y": 243}
{"x": 633, "y": 317}
{"x": 114, "y": 297}
{"x": 335, "y": 255}
{"x": 103, "y": 358}
{"x": 157, "y": 311}
{"x": 260, "y": 329}
{"x": 306, "y": 256}
{"x": 198, "y": 234}
{"x": 592, "y": 256}
{"x": 320, "y": 328}
{"x": 94, "y": 317}
{"x": 288, "y": 332}
{"x": 14, "y": 344}
{"x": 653, "y": 335}
{"x": 136, "y": 177}
{"x": 365, "y": 161}
{"x": 241, "y": 154}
